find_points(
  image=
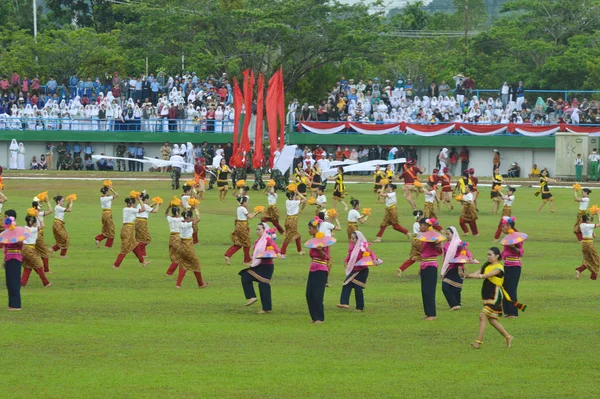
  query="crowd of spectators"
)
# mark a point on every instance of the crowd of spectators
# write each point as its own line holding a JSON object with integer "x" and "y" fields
{"x": 424, "y": 102}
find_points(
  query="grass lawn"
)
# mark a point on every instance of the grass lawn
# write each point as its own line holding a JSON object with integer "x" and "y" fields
{"x": 103, "y": 333}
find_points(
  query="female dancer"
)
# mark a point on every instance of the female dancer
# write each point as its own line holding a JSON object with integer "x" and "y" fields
{"x": 317, "y": 277}
{"x": 31, "y": 259}
{"x": 174, "y": 236}
{"x": 468, "y": 213}
{"x": 186, "y": 257}
{"x": 389, "y": 173}
{"x": 272, "y": 213}
{"x": 240, "y": 237}
{"x": 321, "y": 201}
{"x": 317, "y": 180}
{"x": 222, "y": 182}
{"x": 496, "y": 195}
{"x": 354, "y": 217}
{"x": 415, "y": 246}
{"x": 591, "y": 260}
{"x": 190, "y": 193}
{"x": 512, "y": 255}
{"x": 410, "y": 175}
{"x": 356, "y": 276}
{"x": 473, "y": 181}
{"x": 378, "y": 175}
{"x": 492, "y": 272}
{"x": 430, "y": 199}
{"x": 509, "y": 198}
{"x": 12, "y": 264}
{"x": 584, "y": 202}
{"x": 429, "y": 269}
{"x": 292, "y": 207}
{"x": 40, "y": 244}
{"x": 446, "y": 181}
{"x": 261, "y": 270}
{"x": 391, "y": 213}
{"x": 58, "y": 226}
{"x": 3, "y": 199}
{"x": 339, "y": 190}
{"x": 302, "y": 185}
{"x": 108, "y": 226}
{"x": 451, "y": 272}
{"x": 128, "y": 240}
{"x": 142, "y": 234}
{"x": 545, "y": 191}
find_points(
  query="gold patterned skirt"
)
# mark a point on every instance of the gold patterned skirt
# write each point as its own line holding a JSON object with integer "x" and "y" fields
{"x": 40, "y": 245}
{"x": 174, "y": 241}
{"x": 591, "y": 260}
{"x": 468, "y": 213}
{"x": 241, "y": 234}
{"x": 351, "y": 228}
{"x": 578, "y": 221}
{"x": 128, "y": 241}
{"x": 291, "y": 228}
{"x": 60, "y": 234}
{"x": 108, "y": 226}
{"x": 186, "y": 255}
{"x": 142, "y": 234}
{"x": 31, "y": 259}
{"x": 415, "y": 250}
{"x": 391, "y": 216}
{"x": 506, "y": 211}
{"x": 272, "y": 213}
{"x": 429, "y": 211}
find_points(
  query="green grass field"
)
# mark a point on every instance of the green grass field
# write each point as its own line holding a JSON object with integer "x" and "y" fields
{"x": 104, "y": 333}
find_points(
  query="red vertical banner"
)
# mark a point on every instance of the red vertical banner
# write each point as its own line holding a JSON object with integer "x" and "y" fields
{"x": 281, "y": 109}
{"x": 259, "y": 156}
{"x": 272, "y": 101}
{"x": 237, "y": 107}
{"x": 248, "y": 94}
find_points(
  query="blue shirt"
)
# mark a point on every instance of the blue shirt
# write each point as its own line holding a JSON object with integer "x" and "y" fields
{"x": 68, "y": 147}
{"x": 131, "y": 150}
{"x": 138, "y": 85}
{"x": 51, "y": 85}
{"x": 155, "y": 86}
{"x": 89, "y": 150}
{"x": 520, "y": 91}
{"x": 139, "y": 152}
{"x": 77, "y": 148}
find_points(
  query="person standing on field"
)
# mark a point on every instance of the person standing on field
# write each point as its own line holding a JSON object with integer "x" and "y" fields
{"x": 593, "y": 157}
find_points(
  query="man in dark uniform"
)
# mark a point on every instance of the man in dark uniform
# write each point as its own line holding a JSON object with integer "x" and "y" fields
{"x": 120, "y": 151}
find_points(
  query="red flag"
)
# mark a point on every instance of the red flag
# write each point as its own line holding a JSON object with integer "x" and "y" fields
{"x": 258, "y": 158}
{"x": 272, "y": 100}
{"x": 248, "y": 94}
{"x": 281, "y": 109}
{"x": 237, "y": 107}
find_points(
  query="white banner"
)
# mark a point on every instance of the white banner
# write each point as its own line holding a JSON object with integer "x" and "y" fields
{"x": 357, "y": 127}
{"x": 430, "y": 134}
{"x": 474, "y": 133}
{"x": 537, "y": 134}
{"x": 331, "y": 130}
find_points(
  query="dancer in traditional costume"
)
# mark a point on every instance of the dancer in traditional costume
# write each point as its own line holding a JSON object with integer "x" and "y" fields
{"x": 492, "y": 293}
{"x": 174, "y": 220}
{"x": 509, "y": 198}
{"x": 357, "y": 273}
{"x": 430, "y": 200}
{"x": 321, "y": 201}
{"x": 429, "y": 269}
{"x": 584, "y": 203}
{"x": 222, "y": 182}
{"x": 13, "y": 260}
{"x": 108, "y": 226}
{"x": 317, "y": 276}
{"x": 292, "y": 206}
{"x": 473, "y": 182}
{"x": 446, "y": 196}
{"x": 200, "y": 176}
{"x": 142, "y": 234}
{"x": 316, "y": 180}
{"x": 415, "y": 246}
{"x": 272, "y": 213}
{"x": 3, "y": 199}
{"x": 496, "y": 193}
{"x": 591, "y": 260}
{"x": 302, "y": 184}
{"x": 261, "y": 269}
{"x": 186, "y": 256}
{"x": 545, "y": 191}
{"x": 468, "y": 213}
{"x": 128, "y": 240}
{"x": 391, "y": 212}
{"x": 31, "y": 258}
{"x": 378, "y": 176}
{"x": 339, "y": 190}
{"x": 40, "y": 244}
{"x": 354, "y": 217}
{"x": 240, "y": 237}
{"x": 512, "y": 254}
{"x": 61, "y": 236}
{"x": 411, "y": 181}
{"x": 451, "y": 272}
{"x": 190, "y": 201}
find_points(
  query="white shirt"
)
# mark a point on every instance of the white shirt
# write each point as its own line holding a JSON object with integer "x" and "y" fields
{"x": 390, "y": 199}
{"x": 578, "y": 161}
{"x": 416, "y": 228}
{"x": 430, "y": 196}
{"x": 184, "y": 201}
{"x": 292, "y": 207}
{"x": 106, "y": 202}
{"x": 59, "y": 212}
{"x": 508, "y": 200}
{"x": 174, "y": 224}
{"x": 353, "y": 216}
{"x": 587, "y": 230}
{"x": 187, "y": 229}
{"x": 321, "y": 200}
{"x": 326, "y": 228}
{"x": 129, "y": 215}
{"x": 33, "y": 231}
{"x": 583, "y": 205}
{"x": 40, "y": 215}
{"x": 594, "y": 157}
{"x": 468, "y": 198}
{"x": 272, "y": 198}
{"x": 145, "y": 213}
{"x": 241, "y": 213}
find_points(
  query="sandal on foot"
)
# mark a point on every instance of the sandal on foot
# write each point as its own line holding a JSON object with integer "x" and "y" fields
{"x": 476, "y": 344}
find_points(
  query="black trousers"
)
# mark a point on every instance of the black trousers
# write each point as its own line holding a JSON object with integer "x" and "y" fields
{"x": 358, "y": 290}
{"x": 265, "y": 271}
{"x": 140, "y": 165}
{"x": 131, "y": 165}
{"x": 12, "y": 272}
{"x": 315, "y": 292}
{"x": 451, "y": 291}
{"x": 512, "y": 275}
{"x": 428, "y": 283}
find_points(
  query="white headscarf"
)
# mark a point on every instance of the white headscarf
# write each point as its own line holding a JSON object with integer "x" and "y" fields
{"x": 361, "y": 243}
{"x": 451, "y": 252}
{"x": 21, "y": 148}
{"x": 13, "y": 145}
{"x": 175, "y": 150}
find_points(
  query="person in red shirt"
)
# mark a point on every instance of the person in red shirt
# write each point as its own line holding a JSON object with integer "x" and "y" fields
{"x": 446, "y": 181}
{"x": 410, "y": 176}
{"x": 318, "y": 153}
{"x": 200, "y": 176}
{"x": 346, "y": 153}
{"x": 435, "y": 179}
{"x": 15, "y": 81}
{"x": 35, "y": 86}
{"x": 25, "y": 85}
{"x": 474, "y": 181}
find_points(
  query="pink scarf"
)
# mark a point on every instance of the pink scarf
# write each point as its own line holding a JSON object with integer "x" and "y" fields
{"x": 260, "y": 247}
{"x": 360, "y": 245}
{"x": 451, "y": 251}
